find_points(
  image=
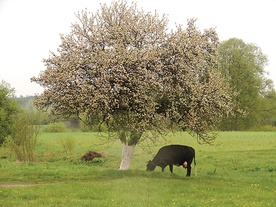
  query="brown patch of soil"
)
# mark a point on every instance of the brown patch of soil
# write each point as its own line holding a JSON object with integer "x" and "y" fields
{"x": 9, "y": 185}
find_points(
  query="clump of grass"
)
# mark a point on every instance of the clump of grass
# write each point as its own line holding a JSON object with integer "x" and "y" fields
{"x": 68, "y": 144}
{"x": 271, "y": 169}
{"x": 95, "y": 162}
{"x": 235, "y": 164}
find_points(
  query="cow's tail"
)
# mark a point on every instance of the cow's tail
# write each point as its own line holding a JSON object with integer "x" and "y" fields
{"x": 195, "y": 168}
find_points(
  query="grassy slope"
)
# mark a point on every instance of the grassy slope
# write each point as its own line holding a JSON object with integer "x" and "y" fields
{"x": 241, "y": 171}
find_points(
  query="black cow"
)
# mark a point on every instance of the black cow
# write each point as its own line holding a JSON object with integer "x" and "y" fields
{"x": 178, "y": 155}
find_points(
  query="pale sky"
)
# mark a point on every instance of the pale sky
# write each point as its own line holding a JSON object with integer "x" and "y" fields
{"x": 29, "y": 29}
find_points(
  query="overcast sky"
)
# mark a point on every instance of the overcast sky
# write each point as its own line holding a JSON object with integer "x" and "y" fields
{"x": 29, "y": 29}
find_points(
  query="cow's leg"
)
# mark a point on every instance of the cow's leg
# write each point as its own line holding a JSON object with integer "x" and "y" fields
{"x": 171, "y": 168}
{"x": 189, "y": 168}
{"x": 162, "y": 165}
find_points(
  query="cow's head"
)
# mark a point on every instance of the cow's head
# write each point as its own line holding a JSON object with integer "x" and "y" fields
{"x": 150, "y": 166}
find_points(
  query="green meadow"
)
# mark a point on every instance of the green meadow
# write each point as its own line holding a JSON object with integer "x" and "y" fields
{"x": 239, "y": 171}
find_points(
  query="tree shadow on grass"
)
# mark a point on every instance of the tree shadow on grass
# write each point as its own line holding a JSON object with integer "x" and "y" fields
{"x": 121, "y": 174}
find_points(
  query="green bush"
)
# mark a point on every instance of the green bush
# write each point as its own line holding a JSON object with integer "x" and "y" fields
{"x": 55, "y": 127}
{"x": 68, "y": 143}
{"x": 264, "y": 128}
{"x": 22, "y": 141}
{"x": 8, "y": 110}
{"x": 93, "y": 128}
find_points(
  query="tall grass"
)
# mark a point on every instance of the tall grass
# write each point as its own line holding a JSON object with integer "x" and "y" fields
{"x": 68, "y": 144}
{"x": 22, "y": 141}
{"x": 241, "y": 171}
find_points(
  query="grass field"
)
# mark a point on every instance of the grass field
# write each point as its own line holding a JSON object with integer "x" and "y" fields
{"x": 241, "y": 171}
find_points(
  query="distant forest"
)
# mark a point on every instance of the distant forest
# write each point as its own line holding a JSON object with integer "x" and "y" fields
{"x": 268, "y": 118}
{"x": 25, "y": 101}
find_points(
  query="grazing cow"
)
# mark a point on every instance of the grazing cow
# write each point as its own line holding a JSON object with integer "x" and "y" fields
{"x": 178, "y": 155}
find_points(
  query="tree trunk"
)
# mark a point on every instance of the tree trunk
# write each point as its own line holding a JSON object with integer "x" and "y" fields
{"x": 127, "y": 151}
{"x": 128, "y": 146}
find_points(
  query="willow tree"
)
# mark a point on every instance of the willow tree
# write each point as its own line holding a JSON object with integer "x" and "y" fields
{"x": 121, "y": 67}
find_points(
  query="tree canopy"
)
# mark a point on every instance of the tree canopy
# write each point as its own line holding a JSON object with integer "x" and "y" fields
{"x": 8, "y": 110}
{"x": 121, "y": 66}
{"x": 243, "y": 65}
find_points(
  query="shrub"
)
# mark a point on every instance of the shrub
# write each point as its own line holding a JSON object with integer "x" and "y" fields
{"x": 93, "y": 128}
{"x": 264, "y": 128}
{"x": 55, "y": 127}
{"x": 8, "y": 110}
{"x": 22, "y": 140}
{"x": 68, "y": 144}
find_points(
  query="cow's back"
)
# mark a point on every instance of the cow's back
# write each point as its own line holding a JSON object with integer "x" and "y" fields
{"x": 174, "y": 154}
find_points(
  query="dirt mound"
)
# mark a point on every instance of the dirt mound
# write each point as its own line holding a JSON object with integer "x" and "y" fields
{"x": 90, "y": 156}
